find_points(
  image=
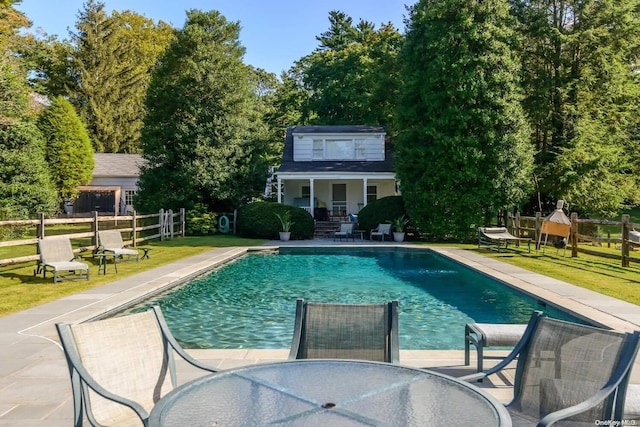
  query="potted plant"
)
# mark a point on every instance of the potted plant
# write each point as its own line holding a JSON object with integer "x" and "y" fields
{"x": 286, "y": 223}
{"x": 398, "y": 228}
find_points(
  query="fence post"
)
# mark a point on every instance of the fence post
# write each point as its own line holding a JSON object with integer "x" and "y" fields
{"x": 538, "y": 227}
{"x": 517, "y": 226}
{"x": 95, "y": 228}
{"x": 183, "y": 222}
{"x": 235, "y": 218}
{"x": 161, "y": 223}
{"x": 574, "y": 235}
{"x": 41, "y": 227}
{"x": 170, "y": 217}
{"x": 134, "y": 226}
{"x": 625, "y": 240}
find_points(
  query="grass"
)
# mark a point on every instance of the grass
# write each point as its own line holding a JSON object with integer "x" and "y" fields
{"x": 598, "y": 274}
{"x": 19, "y": 289}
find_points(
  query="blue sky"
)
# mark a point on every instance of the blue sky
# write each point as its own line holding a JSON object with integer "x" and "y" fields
{"x": 275, "y": 33}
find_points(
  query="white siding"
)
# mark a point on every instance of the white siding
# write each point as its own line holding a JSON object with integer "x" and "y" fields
{"x": 302, "y": 149}
{"x": 365, "y": 147}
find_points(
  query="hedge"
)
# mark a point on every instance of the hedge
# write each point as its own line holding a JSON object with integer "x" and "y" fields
{"x": 258, "y": 220}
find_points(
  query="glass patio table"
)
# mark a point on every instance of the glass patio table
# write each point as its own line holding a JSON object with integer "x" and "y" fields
{"x": 328, "y": 392}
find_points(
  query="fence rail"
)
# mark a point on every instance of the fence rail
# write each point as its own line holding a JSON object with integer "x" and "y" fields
{"x": 530, "y": 226}
{"x": 169, "y": 224}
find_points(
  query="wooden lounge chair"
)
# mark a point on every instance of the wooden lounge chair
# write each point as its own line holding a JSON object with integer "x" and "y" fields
{"x": 381, "y": 231}
{"x": 56, "y": 256}
{"x": 120, "y": 367}
{"x": 568, "y": 373}
{"x": 346, "y": 331}
{"x": 111, "y": 241}
{"x": 346, "y": 231}
{"x": 499, "y": 237}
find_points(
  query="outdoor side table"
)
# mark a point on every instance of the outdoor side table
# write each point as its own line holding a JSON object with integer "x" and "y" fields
{"x": 145, "y": 255}
{"x": 316, "y": 392}
{"x": 103, "y": 256}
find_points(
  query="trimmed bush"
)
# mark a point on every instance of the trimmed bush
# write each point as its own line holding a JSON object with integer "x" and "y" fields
{"x": 259, "y": 220}
{"x": 381, "y": 211}
{"x": 201, "y": 222}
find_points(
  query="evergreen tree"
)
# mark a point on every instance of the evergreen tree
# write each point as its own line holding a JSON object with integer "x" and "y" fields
{"x": 462, "y": 150}
{"x": 68, "y": 150}
{"x": 203, "y": 138}
{"x": 352, "y": 78}
{"x": 25, "y": 183}
{"x": 112, "y": 61}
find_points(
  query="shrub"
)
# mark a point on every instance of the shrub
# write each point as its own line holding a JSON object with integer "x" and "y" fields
{"x": 381, "y": 211}
{"x": 259, "y": 220}
{"x": 200, "y": 222}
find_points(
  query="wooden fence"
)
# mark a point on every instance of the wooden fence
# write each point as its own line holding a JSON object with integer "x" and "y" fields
{"x": 528, "y": 226}
{"x": 164, "y": 224}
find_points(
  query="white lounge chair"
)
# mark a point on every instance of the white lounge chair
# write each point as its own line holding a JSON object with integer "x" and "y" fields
{"x": 345, "y": 230}
{"x": 111, "y": 241}
{"x": 56, "y": 255}
{"x": 381, "y": 231}
{"x": 499, "y": 237}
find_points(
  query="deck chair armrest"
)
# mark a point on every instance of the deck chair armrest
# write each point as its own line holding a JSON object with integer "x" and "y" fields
{"x": 594, "y": 400}
{"x": 176, "y": 346}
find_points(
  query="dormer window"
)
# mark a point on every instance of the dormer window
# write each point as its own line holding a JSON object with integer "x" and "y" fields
{"x": 339, "y": 148}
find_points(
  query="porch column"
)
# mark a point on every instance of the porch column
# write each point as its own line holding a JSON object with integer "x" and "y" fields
{"x": 311, "y": 196}
{"x": 279, "y": 190}
{"x": 364, "y": 192}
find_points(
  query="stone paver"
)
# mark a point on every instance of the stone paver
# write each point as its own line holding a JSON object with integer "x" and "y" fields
{"x": 34, "y": 383}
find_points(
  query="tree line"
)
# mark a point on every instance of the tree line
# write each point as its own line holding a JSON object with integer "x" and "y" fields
{"x": 489, "y": 105}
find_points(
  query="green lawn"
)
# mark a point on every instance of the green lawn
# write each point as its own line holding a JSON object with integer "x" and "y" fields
{"x": 19, "y": 289}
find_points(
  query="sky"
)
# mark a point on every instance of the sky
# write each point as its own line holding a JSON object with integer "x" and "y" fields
{"x": 275, "y": 33}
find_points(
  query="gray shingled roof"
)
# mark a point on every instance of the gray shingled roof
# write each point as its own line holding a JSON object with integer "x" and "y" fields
{"x": 288, "y": 165}
{"x": 117, "y": 165}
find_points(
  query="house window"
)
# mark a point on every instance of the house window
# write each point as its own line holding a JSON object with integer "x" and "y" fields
{"x": 128, "y": 197}
{"x": 339, "y": 149}
{"x": 305, "y": 191}
{"x": 318, "y": 149}
{"x": 372, "y": 193}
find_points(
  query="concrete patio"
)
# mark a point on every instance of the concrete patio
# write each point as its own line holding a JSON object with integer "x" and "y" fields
{"x": 34, "y": 382}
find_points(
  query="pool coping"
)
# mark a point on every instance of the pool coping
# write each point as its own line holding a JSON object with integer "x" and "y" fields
{"x": 34, "y": 384}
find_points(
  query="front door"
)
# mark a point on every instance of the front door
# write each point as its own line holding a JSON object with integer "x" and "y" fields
{"x": 339, "y": 200}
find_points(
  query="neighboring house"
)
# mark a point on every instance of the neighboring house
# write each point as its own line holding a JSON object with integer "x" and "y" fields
{"x": 113, "y": 184}
{"x": 332, "y": 171}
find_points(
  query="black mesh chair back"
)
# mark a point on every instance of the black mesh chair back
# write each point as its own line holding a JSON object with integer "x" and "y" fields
{"x": 346, "y": 331}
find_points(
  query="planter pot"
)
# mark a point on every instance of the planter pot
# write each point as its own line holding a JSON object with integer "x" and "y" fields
{"x": 285, "y": 235}
{"x": 398, "y": 236}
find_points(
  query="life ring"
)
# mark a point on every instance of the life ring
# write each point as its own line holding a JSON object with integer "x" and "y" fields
{"x": 223, "y": 224}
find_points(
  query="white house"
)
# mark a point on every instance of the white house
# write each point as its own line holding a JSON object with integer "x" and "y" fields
{"x": 335, "y": 170}
{"x": 113, "y": 184}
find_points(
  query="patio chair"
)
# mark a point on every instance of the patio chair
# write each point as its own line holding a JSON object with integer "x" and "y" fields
{"x": 346, "y": 231}
{"x": 380, "y": 231}
{"x": 56, "y": 256}
{"x": 120, "y": 367}
{"x": 346, "y": 331}
{"x": 482, "y": 335}
{"x": 499, "y": 237}
{"x": 111, "y": 241}
{"x": 568, "y": 373}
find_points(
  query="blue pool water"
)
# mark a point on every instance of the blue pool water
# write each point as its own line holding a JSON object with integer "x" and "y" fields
{"x": 250, "y": 303}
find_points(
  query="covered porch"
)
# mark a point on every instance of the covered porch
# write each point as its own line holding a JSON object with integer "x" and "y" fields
{"x": 332, "y": 197}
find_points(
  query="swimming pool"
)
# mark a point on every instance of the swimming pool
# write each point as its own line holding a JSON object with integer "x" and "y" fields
{"x": 250, "y": 302}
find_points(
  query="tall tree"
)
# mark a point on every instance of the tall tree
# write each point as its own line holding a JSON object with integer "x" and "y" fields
{"x": 352, "y": 77}
{"x": 68, "y": 150}
{"x": 203, "y": 139}
{"x": 462, "y": 150}
{"x": 581, "y": 79}
{"x": 112, "y": 60}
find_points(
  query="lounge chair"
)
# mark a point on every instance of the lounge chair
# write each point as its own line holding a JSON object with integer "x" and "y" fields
{"x": 380, "y": 231}
{"x": 499, "y": 237}
{"x": 346, "y": 231}
{"x": 56, "y": 256}
{"x": 111, "y": 241}
{"x": 568, "y": 373}
{"x": 346, "y": 331}
{"x": 120, "y": 367}
{"x": 482, "y": 335}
